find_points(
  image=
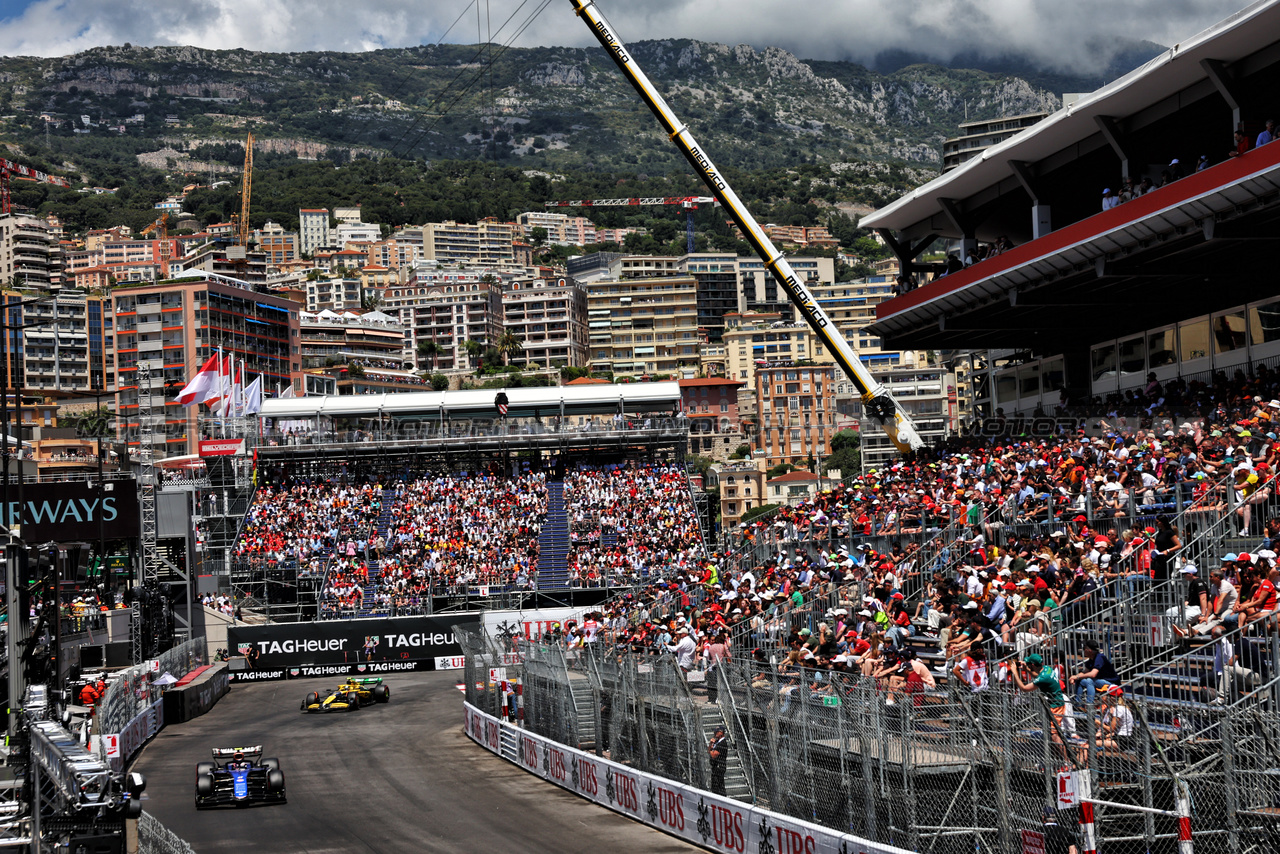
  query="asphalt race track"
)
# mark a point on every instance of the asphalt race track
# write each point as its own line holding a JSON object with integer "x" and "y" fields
{"x": 395, "y": 778}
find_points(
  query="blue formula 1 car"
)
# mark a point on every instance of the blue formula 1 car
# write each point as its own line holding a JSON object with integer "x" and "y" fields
{"x": 238, "y": 776}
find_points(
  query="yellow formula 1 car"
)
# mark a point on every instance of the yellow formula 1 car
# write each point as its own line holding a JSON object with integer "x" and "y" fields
{"x": 349, "y": 696}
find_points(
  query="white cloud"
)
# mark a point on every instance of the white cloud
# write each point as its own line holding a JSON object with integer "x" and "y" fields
{"x": 1064, "y": 33}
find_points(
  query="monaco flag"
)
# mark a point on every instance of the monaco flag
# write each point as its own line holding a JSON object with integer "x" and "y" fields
{"x": 203, "y": 385}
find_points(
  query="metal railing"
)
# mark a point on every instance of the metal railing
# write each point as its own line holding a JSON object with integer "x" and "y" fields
{"x": 929, "y": 769}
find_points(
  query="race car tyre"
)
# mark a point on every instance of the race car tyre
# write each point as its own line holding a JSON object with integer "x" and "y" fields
{"x": 381, "y": 693}
{"x": 205, "y": 768}
{"x": 313, "y": 697}
{"x": 204, "y": 785}
{"x": 353, "y": 701}
{"x": 271, "y": 764}
{"x": 275, "y": 780}
{"x": 133, "y": 807}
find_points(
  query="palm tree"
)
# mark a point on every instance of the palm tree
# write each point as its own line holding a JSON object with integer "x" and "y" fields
{"x": 475, "y": 350}
{"x": 429, "y": 350}
{"x": 509, "y": 344}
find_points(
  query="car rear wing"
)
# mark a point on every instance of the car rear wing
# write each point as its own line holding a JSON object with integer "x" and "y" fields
{"x": 365, "y": 680}
{"x": 229, "y": 752}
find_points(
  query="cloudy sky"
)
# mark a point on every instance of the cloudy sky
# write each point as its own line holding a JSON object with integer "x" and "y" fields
{"x": 1063, "y": 33}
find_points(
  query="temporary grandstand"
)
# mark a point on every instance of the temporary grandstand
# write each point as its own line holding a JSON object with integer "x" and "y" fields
{"x": 349, "y": 466}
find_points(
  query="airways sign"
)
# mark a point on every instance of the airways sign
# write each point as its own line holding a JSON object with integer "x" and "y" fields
{"x": 73, "y": 511}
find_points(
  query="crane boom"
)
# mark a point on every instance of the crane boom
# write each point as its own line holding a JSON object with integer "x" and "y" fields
{"x": 246, "y": 192}
{"x": 8, "y": 167}
{"x": 876, "y": 398}
{"x": 683, "y": 201}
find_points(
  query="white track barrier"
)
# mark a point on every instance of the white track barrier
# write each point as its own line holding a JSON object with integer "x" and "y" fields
{"x": 707, "y": 820}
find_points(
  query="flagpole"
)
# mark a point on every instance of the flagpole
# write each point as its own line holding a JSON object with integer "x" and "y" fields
{"x": 222, "y": 425}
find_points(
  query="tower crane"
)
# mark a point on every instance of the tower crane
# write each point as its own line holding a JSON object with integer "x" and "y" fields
{"x": 8, "y": 167}
{"x": 689, "y": 203}
{"x": 241, "y": 221}
{"x": 876, "y": 397}
{"x": 161, "y": 225}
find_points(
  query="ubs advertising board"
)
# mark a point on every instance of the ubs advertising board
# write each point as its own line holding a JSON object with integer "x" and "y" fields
{"x": 347, "y": 647}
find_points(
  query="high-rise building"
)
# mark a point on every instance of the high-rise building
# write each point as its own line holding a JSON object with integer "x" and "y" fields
{"x": 549, "y": 316}
{"x": 172, "y": 328}
{"x": 313, "y": 230}
{"x": 760, "y": 291}
{"x": 28, "y": 252}
{"x": 486, "y": 242}
{"x": 450, "y": 310}
{"x": 644, "y": 326}
{"x": 797, "y": 416}
{"x": 755, "y": 340}
{"x": 70, "y": 348}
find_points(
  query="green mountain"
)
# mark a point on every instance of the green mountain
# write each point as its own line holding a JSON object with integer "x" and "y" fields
{"x": 549, "y": 106}
{"x": 803, "y": 135}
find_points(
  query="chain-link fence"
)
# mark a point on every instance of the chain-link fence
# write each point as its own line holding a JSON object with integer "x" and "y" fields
{"x": 131, "y": 691}
{"x": 155, "y": 838}
{"x": 894, "y": 761}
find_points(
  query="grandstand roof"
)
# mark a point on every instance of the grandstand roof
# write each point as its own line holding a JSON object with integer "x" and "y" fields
{"x": 1203, "y": 243}
{"x": 579, "y": 400}
{"x": 1178, "y": 68}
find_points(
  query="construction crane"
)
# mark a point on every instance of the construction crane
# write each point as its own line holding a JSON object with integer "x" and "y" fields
{"x": 876, "y": 398}
{"x": 241, "y": 221}
{"x": 8, "y": 167}
{"x": 689, "y": 203}
{"x": 161, "y": 225}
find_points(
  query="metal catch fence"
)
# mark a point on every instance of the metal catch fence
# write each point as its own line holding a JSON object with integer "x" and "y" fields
{"x": 131, "y": 691}
{"x": 155, "y": 838}
{"x": 943, "y": 769}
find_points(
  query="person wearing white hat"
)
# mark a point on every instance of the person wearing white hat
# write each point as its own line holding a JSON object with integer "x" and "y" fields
{"x": 1197, "y": 599}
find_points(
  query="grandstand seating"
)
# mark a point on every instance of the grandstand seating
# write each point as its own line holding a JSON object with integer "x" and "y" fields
{"x": 383, "y": 548}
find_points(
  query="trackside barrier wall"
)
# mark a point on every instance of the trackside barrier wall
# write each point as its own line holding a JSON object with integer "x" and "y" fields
{"x": 133, "y": 736}
{"x": 710, "y": 821}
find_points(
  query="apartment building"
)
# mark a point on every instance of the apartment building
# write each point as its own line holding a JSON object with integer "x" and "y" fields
{"x": 72, "y": 347}
{"x": 742, "y": 487}
{"x": 170, "y": 330}
{"x": 755, "y": 340}
{"x": 363, "y": 353}
{"x": 549, "y": 316}
{"x": 334, "y": 293}
{"x": 852, "y": 307}
{"x": 711, "y": 406}
{"x": 797, "y": 412}
{"x": 486, "y": 242}
{"x": 449, "y": 312}
{"x": 279, "y": 246}
{"x": 760, "y": 290}
{"x": 562, "y": 229}
{"x": 29, "y": 254}
{"x": 66, "y": 345}
{"x": 393, "y": 254}
{"x": 927, "y": 393}
{"x": 349, "y": 233}
{"x": 313, "y": 230}
{"x": 644, "y": 326}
